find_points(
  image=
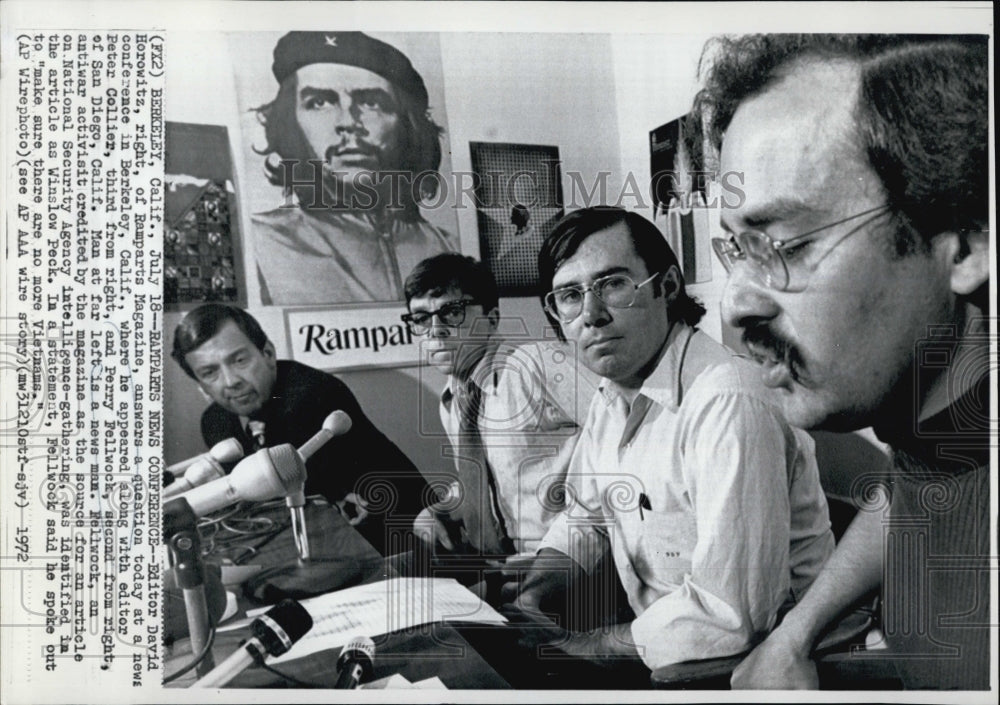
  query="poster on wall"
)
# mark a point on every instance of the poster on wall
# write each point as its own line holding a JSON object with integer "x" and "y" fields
{"x": 680, "y": 194}
{"x": 343, "y": 162}
{"x": 518, "y": 200}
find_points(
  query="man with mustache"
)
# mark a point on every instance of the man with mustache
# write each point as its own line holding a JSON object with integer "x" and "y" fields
{"x": 262, "y": 402}
{"x": 350, "y": 136}
{"x": 859, "y": 272}
{"x": 711, "y": 503}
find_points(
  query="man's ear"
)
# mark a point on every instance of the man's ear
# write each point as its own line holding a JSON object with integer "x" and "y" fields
{"x": 493, "y": 316}
{"x": 671, "y": 283}
{"x": 970, "y": 260}
{"x": 269, "y": 354}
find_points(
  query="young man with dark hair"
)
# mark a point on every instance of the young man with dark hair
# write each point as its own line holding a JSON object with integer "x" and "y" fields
{"x": 355, "y": 144}
{"x": 710, "y": 502}
{"x": 262, "y": 401}
{"x": 510, "y": 423}
{"x": 859, "y": 274}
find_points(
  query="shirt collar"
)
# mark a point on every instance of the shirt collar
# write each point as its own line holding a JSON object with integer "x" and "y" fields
{"x": 483, "y": 375}
{"x": 663, "y": 385}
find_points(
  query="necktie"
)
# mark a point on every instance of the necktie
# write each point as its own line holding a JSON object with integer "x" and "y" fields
{"x": 480, "y": 509}
{"x": 255, "y": 430}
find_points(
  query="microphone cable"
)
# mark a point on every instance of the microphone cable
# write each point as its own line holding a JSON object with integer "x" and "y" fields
{"x": 198, "y": 658}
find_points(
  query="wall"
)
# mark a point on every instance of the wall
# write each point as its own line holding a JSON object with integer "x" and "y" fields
{"x": 656, "y": 81}
{"x": 498, "y": 88}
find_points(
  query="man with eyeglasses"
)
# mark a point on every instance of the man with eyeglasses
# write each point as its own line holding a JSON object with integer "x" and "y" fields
{"x": 508, "y": 411}
{"x": 711, "y": 503}
{"x": 859, "y": 274}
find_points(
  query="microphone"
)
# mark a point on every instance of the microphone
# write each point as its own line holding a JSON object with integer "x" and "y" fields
{"x": 355, "y": 663}
{"x": 269, "y": 473}
{"x": 227, "y": 451}
{"x": 336, "y": 424}
{"x": 203, "y": 470}
{"x": 274, "y": 633}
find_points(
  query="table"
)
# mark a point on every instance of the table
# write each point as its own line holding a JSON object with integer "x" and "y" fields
{"x": 418, "y": 653}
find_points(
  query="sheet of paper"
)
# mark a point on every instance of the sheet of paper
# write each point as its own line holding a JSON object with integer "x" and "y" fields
{"x": 433, "y": 683}
{"x": 395, "y": 681}
{"x": 383, "y": 607}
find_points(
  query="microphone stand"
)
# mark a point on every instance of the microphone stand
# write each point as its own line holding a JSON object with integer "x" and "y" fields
{"x": 296, "y": 505}
{"x": 181, "y": 534}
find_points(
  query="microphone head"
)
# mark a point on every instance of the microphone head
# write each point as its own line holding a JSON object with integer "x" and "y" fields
{"x": 205, "y": 470}
{"x": 267, "y": 474}
{"x": 227, "y": 451}
{"x": 337, "y": 423}
{"x": 281, "y": 626}
{"x": 288, "y": 465}
{"x": 361, "y": 648}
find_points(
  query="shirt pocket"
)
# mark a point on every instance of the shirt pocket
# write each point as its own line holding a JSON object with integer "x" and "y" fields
{"x": 661, "y": 550}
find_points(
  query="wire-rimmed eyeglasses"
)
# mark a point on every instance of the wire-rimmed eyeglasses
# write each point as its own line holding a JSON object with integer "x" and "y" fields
{"x": 770, "y": 258}
{"x": 614, "y": 290}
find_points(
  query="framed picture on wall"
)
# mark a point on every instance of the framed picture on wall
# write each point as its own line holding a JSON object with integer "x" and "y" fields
{"x": 679, "y": 191}
{"x": 518, "y": 198}
{"x": 203, "y": 256}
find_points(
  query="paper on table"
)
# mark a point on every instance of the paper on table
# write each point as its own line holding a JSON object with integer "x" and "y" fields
{"x": 383, "y": 607}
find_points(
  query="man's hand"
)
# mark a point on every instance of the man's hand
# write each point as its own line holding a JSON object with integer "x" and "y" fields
{"x": 776, "y": 664}
{"x": 540, "y": 583}
{"x": 432, "y": 527}
{"x": 540, "y": 634}
{"x": 352, "y": 508}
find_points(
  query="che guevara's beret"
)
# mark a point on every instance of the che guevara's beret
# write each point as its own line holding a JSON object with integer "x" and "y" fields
{"x": 298, "y": 49}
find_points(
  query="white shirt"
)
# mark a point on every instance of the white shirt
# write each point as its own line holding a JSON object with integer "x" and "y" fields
{"x": 529, "y": 424}
{"x": 734, "y": 517}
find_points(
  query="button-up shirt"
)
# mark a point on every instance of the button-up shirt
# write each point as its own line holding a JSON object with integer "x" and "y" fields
{"x": 532, "y": 397}
{"x": 711, "y": 501}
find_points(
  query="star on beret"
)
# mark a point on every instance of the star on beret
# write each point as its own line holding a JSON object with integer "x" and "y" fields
{"x": 331, "y": 40}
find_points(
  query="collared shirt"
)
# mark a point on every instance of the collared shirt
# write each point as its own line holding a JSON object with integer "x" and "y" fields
{"x": 711, "y": 501}
{"x": 528, "y": 423}
{"x": 339, "y": 257}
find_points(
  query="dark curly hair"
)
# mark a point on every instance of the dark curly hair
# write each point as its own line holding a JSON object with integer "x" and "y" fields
{"x": 449, "y": 270}
{"x": 421, "y": 145}
{"x": 922, "y": 115}
{"x": 652, "y": 248}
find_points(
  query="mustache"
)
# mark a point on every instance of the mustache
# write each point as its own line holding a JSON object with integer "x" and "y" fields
{"x": 767, "y": 346}
{"x": 359, "y": 147}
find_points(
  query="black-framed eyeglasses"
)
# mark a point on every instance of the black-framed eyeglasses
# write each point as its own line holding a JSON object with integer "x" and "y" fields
{"x": 614, "y": 290}
{"x": 770, "y": 258}
{"x": 451, "y": 314}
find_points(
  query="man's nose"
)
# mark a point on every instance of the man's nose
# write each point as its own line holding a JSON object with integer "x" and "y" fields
{"x": 745, "y": 300}
{"x": 230, "y": 378}
{"x": 348, "y": 117}
{"x": 439, "y": 329}
{"x": 594, "y": 312}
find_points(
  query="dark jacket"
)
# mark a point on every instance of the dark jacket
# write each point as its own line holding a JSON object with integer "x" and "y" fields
{"x": 362, "y": 460}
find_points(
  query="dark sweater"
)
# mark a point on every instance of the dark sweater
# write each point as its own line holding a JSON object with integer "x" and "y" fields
{"x": 937, "y": 579}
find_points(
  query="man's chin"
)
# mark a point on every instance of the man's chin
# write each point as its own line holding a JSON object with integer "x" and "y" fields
{"x": 242, "y": 408}
{"x": 805, "y": 409}
{"x": 352, "y": 189}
